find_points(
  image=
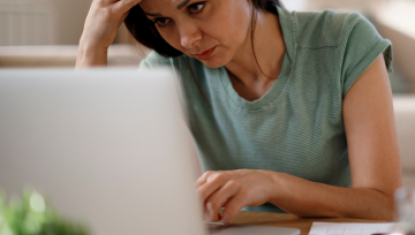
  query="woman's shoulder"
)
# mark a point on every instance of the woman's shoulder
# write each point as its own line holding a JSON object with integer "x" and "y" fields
{"x": 329, "y": 28}
{"x": 154, "y": 59}
{"x": 346, "y": 42}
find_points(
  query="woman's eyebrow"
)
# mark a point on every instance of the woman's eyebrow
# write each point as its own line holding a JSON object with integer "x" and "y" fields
{"x": 181, "y": 5}
{"x": 154, "y": 14}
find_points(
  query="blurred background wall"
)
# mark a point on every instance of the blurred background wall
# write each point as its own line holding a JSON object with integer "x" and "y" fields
{"x": 41, "y": 22}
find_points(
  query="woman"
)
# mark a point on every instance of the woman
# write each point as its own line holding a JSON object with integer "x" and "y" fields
{"x": 290, "y": 111}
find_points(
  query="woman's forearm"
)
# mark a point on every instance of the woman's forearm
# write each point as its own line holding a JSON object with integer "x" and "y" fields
{"x": 309, "y": 199}
{"x": 89, "y": 56}
{"x": 100, "y": 28}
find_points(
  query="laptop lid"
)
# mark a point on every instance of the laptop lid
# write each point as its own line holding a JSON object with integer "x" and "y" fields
{"x": 107, "y": 147}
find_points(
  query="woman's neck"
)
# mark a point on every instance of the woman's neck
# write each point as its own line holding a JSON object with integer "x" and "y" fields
{"x": 269, "y": 50}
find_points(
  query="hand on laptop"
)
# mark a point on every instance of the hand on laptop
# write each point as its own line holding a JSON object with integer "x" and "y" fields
{"x": 233, "y": 190}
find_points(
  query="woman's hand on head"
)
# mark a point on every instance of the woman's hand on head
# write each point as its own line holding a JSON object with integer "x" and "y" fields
{"x": 234, "y": 190}
{"x": 103, "y": 20}
{"x": 101, "y": 25}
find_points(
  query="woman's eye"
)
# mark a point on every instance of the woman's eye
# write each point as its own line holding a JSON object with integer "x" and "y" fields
{"x": 196, "y": 8}
{"x": 161, "y": 21}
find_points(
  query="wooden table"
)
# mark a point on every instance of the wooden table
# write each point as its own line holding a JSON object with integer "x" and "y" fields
{"x": 287, "y": 220}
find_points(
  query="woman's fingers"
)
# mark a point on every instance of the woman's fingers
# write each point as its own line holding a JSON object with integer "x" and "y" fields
{"x": 220, "y": 198}
{"x": 105, "y": 2}
{"x": 103, "y": 20}
{"x": 233, "y": 190}
{"x": 202, "y": 179}
{"x": 125, "y": 5}
{"x": 212, "y": 183}
{"x": 234, "y": 205}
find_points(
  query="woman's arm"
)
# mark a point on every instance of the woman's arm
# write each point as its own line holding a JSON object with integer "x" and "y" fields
{"x": 89, "y": 56}
{"x": 373, "y": 155}
{"x": 103, "y": 20}
{"x": 374, "y": 163}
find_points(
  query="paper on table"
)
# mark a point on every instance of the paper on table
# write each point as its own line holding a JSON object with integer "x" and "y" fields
{"x": 320, "y": 228}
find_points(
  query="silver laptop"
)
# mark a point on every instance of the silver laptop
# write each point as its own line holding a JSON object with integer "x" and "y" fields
{"x": 109, "y": 148}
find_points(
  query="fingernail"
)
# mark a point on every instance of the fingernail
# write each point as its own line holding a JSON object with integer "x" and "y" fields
{"x": 225, "y": 219}
{"x": 205, "y": 215}
{"x": 210, "y": 210}
{"x": 206, "y": 212}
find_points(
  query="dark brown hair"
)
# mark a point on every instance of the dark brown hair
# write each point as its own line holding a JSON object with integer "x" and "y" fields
{"x": 145, "y": 32}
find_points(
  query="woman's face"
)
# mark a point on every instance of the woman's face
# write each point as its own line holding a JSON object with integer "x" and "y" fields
{"x": 211, "y": 31}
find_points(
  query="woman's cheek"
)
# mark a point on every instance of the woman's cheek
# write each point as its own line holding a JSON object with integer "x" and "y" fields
{"x": 171, "y": 37}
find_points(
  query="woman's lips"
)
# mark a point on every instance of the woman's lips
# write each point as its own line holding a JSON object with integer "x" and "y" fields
{"x": 206, "y": 54}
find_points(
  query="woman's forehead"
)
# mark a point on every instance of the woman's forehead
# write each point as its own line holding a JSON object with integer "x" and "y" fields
{"x": 153, "y": 6}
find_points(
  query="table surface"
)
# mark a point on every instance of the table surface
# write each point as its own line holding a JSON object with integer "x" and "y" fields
{"x": 288, "y": 220}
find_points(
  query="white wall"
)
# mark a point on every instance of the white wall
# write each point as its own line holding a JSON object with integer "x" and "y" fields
{"x": 42, "y": 22}
{"x": 337, "y": 4}
{"x": 70, "y": 16}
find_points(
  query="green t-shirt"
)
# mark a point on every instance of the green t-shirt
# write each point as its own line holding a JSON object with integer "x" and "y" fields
{"x": 297, "y": 126}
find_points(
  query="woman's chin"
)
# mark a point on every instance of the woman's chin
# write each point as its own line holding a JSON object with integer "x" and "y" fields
{"x": 214, "y": 63}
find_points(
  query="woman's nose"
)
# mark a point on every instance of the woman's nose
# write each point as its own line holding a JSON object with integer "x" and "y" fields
{"x": 189, "y": 35}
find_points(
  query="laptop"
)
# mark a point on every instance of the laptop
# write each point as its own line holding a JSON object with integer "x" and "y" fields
{"x": 108, "y": 148}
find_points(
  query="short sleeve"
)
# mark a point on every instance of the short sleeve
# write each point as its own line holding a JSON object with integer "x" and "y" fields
{"x": 155, "y": 60}
{"x": 362, "y": 44}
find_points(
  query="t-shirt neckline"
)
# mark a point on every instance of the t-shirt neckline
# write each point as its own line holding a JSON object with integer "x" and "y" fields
{"x": 287, "y": 29}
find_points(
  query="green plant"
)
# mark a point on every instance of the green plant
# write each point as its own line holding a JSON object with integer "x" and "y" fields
{"x": 29, "y": 214}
